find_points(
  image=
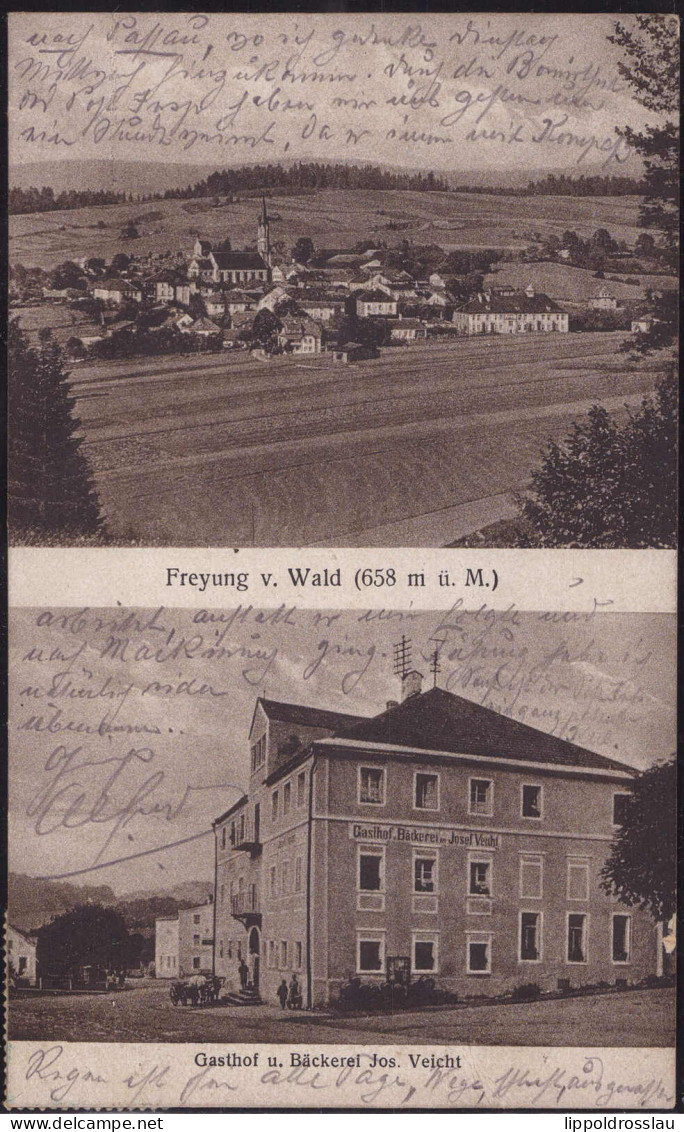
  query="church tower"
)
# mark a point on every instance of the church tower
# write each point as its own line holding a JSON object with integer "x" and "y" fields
{"x": 263, "y": 237}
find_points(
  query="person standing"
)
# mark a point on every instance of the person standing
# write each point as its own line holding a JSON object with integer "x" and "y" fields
{"x": 243, "y": 971}
{"x": 283, "y": 993}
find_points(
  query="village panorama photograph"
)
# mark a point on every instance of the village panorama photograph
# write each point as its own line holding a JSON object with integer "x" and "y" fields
{"x": 343, "y": 280}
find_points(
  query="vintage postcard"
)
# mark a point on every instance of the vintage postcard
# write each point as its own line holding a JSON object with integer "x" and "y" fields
{"x": 343, "y": 280}
{"x": 342, "y": 509}
{"x": 308, "y": 855}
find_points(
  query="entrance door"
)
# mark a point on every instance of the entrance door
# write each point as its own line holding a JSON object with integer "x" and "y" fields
{"x": 254, "y": 956}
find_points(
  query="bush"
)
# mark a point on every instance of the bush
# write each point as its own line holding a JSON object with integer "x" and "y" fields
{"x": 526, "y": 992}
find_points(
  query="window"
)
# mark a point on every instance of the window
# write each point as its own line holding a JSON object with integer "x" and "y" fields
{"x": 301, "y": 788}
{"x": 274, "y": 806}
{"x": 274, "y": 881}
{"x": 371, "y": 786}
{"x": 223, "y": 893}
{"x": 195, "y": 919}
{"x": 258, "y": 753}
{"x": 195, "y": 962}
{"x": 370, "y": 952}
{"x": 283, "y": 953}
{"x": 578, "y": 878}
{"x": 531, "y": 876}
{"x": 370, "y": 871}
{"x": 425, "y": 873}
{"x": 223, "y": 837}
{"x": 195, "y": 941}
{"x": 620, "y": 804}
{"x": 621, "y": 944}
{"x": 23, "y": 964}
{"x": 426, "y": 792}
{"x": 220, "y": 949}
{"x": 479, "y": 953}
{"x": 284, "y": 877}
{"x": 424, "y": 952}
{"x": 271, "y": 953}
{"x": 531, "y": 802}
{"x": 577, "y": 943}
{"x": 232, "y": 833}
{"x": 481, "y": 796}
{"x": 479, "y": 876}
{"x": 530, "y": 936}
{"x": 287, "y": 795}
{"x": 298, "y": 955}
{"x": 298, "y": 874}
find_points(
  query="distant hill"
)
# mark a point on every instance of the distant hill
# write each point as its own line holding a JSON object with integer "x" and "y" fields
{"x": 141, "y": 177}
{"x": 33, "y": 902}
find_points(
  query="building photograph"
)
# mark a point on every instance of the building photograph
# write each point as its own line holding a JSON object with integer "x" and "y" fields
{"x": 359, "y": 825}
{"x": 437, "y": 835}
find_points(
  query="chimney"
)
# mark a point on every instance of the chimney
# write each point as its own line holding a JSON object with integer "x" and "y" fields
{"x": 411, "y": 684}
{"x": 392, "y": 704}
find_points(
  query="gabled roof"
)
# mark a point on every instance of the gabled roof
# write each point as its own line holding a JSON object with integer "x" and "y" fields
{"x": 206, "y": 324}
{"x": 308, "y": 716}
{"x": 28, "y": 936}
{"x": 203, "y": 263}
{"x": 441, "y": 721}
{"x": 239, "y": 261}
{"x": 374, "y": 297}
{"x": 519, "y": 302}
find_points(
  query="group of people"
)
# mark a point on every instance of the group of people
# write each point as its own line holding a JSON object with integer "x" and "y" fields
{"x": 290, "y": 996}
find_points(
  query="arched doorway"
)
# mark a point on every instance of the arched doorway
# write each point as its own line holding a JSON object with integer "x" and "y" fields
{"x": 254, "y": 957}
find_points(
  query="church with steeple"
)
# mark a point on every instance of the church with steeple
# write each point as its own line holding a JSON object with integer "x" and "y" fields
{"x": 263, "y": 234}
{"x": 223, "y": 265}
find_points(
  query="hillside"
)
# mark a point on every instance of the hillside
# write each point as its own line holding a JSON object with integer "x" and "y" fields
{"x": 33, "y": 902}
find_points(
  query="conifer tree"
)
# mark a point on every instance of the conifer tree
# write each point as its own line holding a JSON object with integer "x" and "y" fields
{"x": 51, "y": 493}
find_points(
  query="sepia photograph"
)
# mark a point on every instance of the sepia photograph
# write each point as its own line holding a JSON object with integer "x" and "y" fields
{"x": 442, "y": 829}
{"x": 343, "y": 280}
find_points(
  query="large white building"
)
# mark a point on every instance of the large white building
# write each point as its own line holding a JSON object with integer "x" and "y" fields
{"x": 510, "y": 312}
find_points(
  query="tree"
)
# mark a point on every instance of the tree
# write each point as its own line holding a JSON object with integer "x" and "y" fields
{"x": 609, "y": 484}
{"x": 641, "y": 868}
{"x": 266, "y": 327}
{"x": 303, "y": 250}
{"x": 121, "y": 262}
{"x": 50, "y": 486}
{"x": 87, "y": 935}
{"x": 651, "y": 67}
{"x": 68, "y": 275}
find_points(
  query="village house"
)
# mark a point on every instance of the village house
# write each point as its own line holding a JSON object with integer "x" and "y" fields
{"x": 494, "y": 312}
{"x": 215, "y": 304}
{"x": 204, "y": 327}
{"x": 374, "y": 304}
{"x": 321, "y": 309}
{"x": 184, "y": 943}
{"x": 300, "y": 335}
{"x": 21, "y": 954}
{"x": 406, "y": 329}
{"x": 170, "y": 286}
{"x": 116, "y": 291}
{"x": 604, "y": 301}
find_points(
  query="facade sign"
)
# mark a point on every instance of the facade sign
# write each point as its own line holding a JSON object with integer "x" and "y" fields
{"x": 425, "y": 835}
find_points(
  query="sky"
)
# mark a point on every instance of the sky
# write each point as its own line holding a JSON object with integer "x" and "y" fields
{"x": 605, "y": 681}
{"x": 450, "y": 92}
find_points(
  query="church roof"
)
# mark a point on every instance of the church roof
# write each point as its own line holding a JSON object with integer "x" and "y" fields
{"x": 239, "y": 261}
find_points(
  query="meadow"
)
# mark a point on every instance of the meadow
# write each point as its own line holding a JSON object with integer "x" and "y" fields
{"x": 332, "y": 218}
{"x": 410, "y": 449}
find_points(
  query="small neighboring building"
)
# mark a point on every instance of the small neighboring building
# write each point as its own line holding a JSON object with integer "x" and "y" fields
{"x": 376, "y": 303}
{"x": 643, "y": 325}
{"x": 117, "y": 291}
{"x": 215, "y": 303}
{"x": 353, "y": 352}
{"x": 604, "y": 301}
{"x": 493, "y": 312}
{"x": 204, "y": 327}
{"x": 184, "y": 944}
{"x": 407, "y": 330}
{"x": 322, "y": 310}
{"x": 21, "y": 953}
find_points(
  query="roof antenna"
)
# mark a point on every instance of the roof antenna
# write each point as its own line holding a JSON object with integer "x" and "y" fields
{"x": 402, "y": 657}
{"x": 435, "y": 667}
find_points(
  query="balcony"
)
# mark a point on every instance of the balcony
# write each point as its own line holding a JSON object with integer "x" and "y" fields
{"x": 246, "y": 836}
{"x": 245, "y": 907}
